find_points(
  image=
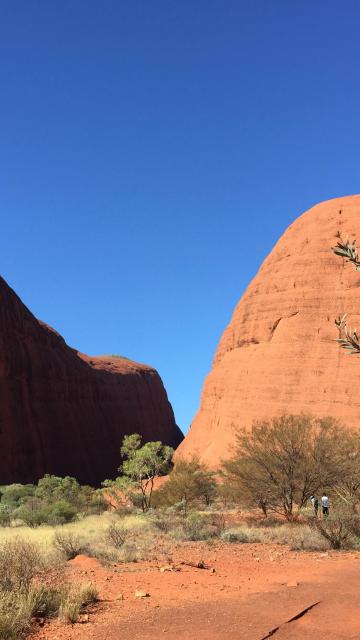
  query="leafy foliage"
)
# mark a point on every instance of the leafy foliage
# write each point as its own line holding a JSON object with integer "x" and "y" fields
{"x": 280, "y": 463}
{"x": 348, "y": 250}
{"x": 348, "y": 338}
{"x": 140, "y": 466}
{"x": 189, "y": 482}
{"x": 54, "y": 500}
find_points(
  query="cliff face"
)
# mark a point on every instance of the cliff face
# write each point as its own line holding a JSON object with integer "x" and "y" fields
{"x": 278, "y": 353}
{"x": 66, "y": 413}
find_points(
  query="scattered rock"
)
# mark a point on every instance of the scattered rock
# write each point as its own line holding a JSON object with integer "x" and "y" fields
{"x": 141, "y": 594}
{"x": 198, "y": 565}
{"x": 83, "y": 618}
{"x": 169, "y": 567}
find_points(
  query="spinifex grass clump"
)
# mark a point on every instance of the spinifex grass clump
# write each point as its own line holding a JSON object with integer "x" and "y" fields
{"x": 32, "y": 586}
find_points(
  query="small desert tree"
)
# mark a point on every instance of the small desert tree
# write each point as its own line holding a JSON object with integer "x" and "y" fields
{"x": 189, "y": 482}
{"x": 141, "y": 465}
{"x": 279, "y": 463}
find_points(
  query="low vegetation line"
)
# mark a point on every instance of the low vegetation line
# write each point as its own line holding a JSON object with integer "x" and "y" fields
{"x": 292, "y": 481}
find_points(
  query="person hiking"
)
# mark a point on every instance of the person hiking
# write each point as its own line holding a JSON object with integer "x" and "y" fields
{"x": 315, "y": 504}
{"x": 325, "y": 504}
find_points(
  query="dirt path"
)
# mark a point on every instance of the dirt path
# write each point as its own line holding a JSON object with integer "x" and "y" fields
{"x": 254, "y": 590}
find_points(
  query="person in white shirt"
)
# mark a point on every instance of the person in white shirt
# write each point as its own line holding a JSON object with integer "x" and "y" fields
{"x": 325, "y": 504}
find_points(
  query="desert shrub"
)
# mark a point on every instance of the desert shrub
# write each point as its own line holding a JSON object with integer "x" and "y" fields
{"x": 167, "y": 519}
{"x": 53, "y": 501}
{"x": 75, "y": 599}
{"x": 14, "y": 495}
{"x": 304, "y": 538}
{"x": 61, "y": 512}
{"x": 270, "y": 521}
{"x": 337, "y": 529}
{"x": 23, "y": 594}
{"x": 125, "y": 511}
{"x": 129, "y": 553}
{"x": 218, "y": 522}
{"x": 69, "y": 544}
{"x": 194, "y": 526}
{"x": 31, "y": 513}
{"x": 102, "y": 552}
{"x": 51, "y": 488}
{"x": 5, "y": 518}
{"x": 88, "y": 594}
{"x": 34, "y": 512}
{"x": 236, "y": 536}
{"x": 164, "y": 522}
{"x": 70, "y": 609}
{"x": 45, "y": 600}
{"x": 20, "y": 562}
{"x": 190, "y": 482}
{"x": 280, "y": 463}
{"x": 94, "y": 501}
{"x": 15, "y": 616}
{"x": 116, "y": 535}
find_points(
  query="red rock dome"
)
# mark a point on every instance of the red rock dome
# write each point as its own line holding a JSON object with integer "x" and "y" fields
{"x": 278, "y": 353}
{"x": 66, "y": 413}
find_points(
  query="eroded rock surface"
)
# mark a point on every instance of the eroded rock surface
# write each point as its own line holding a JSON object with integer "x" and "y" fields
{"x": 278, "y": 353}
{"x": 63, "y": 412}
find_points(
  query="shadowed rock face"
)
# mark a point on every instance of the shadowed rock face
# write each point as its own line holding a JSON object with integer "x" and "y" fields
{"x": 278, "y": 353}
{"x": 66, "y": 413}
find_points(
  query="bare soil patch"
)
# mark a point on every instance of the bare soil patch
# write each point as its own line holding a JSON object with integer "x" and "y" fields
{"x": 249, "y": 591}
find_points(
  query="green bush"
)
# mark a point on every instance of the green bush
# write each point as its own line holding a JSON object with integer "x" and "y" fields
{"x": 4, "y": 516}
{"x": 14, "y": 495}
{"x": 189, "y": 483}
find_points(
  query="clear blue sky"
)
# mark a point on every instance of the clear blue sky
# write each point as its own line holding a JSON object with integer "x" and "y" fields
{"x": 151, "y": 153}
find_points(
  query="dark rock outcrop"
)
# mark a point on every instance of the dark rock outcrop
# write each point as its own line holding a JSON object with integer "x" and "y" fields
{"x": 66, "y": 413}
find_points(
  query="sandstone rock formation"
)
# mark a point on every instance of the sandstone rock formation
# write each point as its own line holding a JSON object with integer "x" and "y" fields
{"x": 63, "y": 412}
{"x": 278, "y": 353}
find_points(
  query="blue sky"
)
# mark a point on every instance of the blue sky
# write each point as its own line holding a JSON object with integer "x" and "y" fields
{"x": 151, "y": 154}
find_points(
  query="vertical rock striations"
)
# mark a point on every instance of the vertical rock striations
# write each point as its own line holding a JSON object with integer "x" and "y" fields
{"x": 63, "y": 412}
{"x": 278, "y": 353}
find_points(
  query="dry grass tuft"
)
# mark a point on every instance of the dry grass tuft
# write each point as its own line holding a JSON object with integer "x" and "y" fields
{"x": 69, "y": 544}
{"x": 88, "y": 594}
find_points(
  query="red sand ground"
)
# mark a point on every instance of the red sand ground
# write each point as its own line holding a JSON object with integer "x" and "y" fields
{"x": 254, "y": 589}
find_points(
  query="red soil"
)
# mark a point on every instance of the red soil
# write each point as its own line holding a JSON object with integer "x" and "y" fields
{"x": 254, "y": 589}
